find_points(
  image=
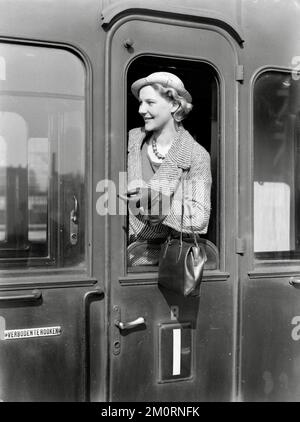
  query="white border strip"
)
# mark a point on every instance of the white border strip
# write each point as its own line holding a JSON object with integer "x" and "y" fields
{"x": 176, "y": 351}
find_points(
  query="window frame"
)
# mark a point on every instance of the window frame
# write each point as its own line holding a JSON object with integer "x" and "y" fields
{"x": 50, "y": 262}
{"x": 152, "y": 269}
{"x": 264, "y": 267}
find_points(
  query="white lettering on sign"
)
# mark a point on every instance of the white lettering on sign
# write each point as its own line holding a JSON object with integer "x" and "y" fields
{"x": 27, "y": 332}
{"x": 176, "y": 351}
{"x": 32, "y": 332}
{"x": 296, "y": 330}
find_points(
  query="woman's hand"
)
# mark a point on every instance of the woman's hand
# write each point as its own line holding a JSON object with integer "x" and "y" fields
{"x": 153, "y": 205}
{"x": 133, "y": 199}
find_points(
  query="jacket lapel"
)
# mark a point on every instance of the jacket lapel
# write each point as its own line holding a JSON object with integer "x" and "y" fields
{"x": 178, "y": 159}
{"x": 135, "y": 160}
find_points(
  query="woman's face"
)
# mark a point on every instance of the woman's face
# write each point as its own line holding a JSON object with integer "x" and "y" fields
{"x": 155, "y": 109}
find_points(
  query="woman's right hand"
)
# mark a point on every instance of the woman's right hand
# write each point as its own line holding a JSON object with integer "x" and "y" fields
{"x": 133, "y": 198}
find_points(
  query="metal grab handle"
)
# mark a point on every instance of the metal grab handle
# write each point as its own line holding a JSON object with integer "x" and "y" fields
{"x": 295, "y": 282}
{"x": 35, "y": 295}
{"x": 131, "y": 324}
{"x": 86, "y": 340}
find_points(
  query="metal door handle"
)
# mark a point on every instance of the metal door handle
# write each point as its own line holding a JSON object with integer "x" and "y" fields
{"x": 74, "y": 230}
{"x": 86, "y": 340}
{"x": 131, "y": 324}
{"x": 35, "y": 295}
{"x": 295, "y": 282}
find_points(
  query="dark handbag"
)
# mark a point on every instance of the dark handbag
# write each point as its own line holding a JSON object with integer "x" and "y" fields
{"x": 181, "y": 263}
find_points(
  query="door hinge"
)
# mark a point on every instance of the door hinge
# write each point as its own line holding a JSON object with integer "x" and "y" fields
{"x": 240, "y": 246}
{"x": 239, "y": 73}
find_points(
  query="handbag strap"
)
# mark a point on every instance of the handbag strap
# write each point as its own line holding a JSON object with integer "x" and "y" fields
{"x": 182, "y": 213}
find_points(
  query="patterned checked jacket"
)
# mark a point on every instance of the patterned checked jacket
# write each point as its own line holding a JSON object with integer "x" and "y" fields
{"x": 184, "y": 156}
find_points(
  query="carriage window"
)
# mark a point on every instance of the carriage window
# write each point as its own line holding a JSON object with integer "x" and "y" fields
{"x": 276, "y": 167}
{"x": 203, "y": 124}
{"x": 42, "y": 157}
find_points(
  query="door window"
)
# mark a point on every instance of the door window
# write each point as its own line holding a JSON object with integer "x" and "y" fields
{"x": 202, "y": 123}
{"x": 276, "y": 166}
{"x": 42, "y": 157}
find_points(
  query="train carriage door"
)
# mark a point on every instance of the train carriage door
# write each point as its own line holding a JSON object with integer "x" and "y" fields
{"x": 45, "y": 282}
{"x": 164, "y": 347}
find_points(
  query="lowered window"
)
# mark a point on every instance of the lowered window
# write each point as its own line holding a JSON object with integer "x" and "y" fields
{"x": 203, "y": 124}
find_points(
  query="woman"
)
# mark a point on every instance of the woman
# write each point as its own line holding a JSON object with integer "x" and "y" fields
{"x": 162, "y": 157}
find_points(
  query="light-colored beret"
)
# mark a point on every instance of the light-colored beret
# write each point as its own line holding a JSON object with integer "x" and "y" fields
{"x": 166, "y": 79}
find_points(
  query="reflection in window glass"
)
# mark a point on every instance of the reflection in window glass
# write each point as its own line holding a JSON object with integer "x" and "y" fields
{"x": 2, "y": 189}
{"x": 42, "y": 157}
{"x": 38, "y": 177}
{"x": 276, "y": 166}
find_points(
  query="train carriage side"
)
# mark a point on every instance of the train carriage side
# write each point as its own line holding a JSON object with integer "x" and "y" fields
{"x": 77, "y": 321}
{"x": 269, "y": 203}
{"x": 52, "y": 256}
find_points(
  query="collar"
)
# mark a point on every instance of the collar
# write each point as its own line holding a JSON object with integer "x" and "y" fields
{"x": 181, "y": 149}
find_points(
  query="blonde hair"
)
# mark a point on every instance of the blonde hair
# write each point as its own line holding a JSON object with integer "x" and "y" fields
{"x": 171, "y": 94}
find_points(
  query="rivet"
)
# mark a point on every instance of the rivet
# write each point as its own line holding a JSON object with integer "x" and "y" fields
{"x": 128, "y": 43}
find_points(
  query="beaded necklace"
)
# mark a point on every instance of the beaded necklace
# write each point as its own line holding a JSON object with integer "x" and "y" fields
{"x": 154, "y": 149}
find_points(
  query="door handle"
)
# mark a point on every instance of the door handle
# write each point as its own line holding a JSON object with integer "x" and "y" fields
{"x": 131, "y": 324}
{"x": 74, "y": 232}
{"x": 295, "y": 282}
{"x": 35, "y": 295}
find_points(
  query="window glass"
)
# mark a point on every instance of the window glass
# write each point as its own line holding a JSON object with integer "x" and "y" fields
{"x": 276, "y": 166}
{"x": 42, "y": 157}
{"x": 2, "y": 189}
{"x": 38, "y": 187}
{"x": 202, "y": 123}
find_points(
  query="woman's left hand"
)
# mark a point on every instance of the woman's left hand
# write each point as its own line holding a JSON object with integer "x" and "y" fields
{"x": 149, "y": 203}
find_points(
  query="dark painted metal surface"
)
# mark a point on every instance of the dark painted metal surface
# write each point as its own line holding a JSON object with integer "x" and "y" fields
{"x": 269, "y": 354}
{"x": 44, "y": 368}
{"x": 245, "y": 326}
{"x": 212, "y": 318}
{"x": 115, "y": 12}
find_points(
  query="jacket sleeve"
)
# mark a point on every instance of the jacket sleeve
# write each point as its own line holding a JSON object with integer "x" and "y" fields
{"x": 197, "y": 202}
{"x": 132, "y": 135}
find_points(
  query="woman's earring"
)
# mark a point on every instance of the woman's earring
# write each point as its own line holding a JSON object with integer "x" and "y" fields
{"x": 177, "y": 119}
{"x": 177, "y": 124}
